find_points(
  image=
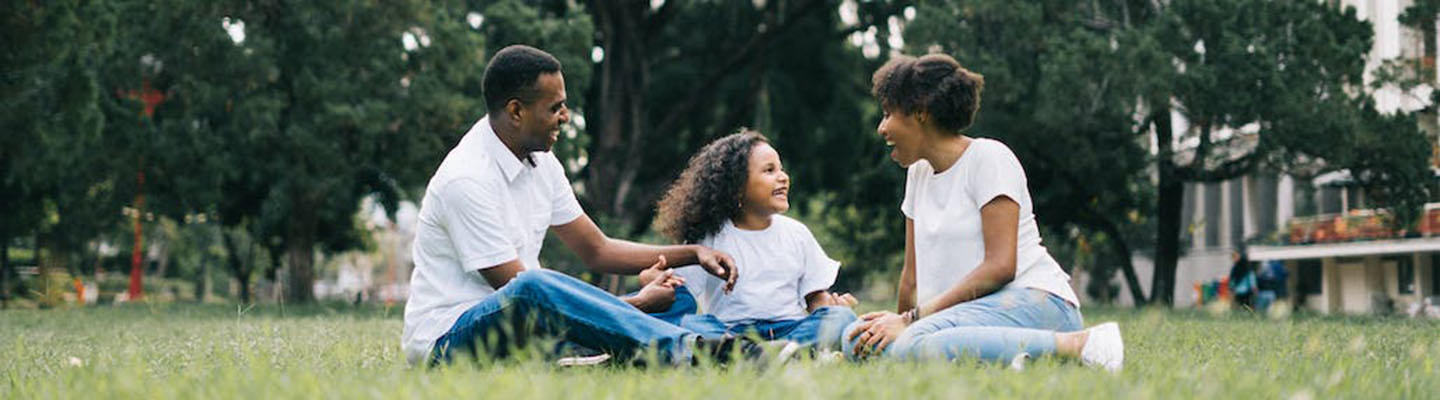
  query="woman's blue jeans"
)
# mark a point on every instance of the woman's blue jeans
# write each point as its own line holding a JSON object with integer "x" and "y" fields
{"x": 996, "y": 327}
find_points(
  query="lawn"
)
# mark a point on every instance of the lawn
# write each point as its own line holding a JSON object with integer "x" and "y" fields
{"x": 185, "y": 351}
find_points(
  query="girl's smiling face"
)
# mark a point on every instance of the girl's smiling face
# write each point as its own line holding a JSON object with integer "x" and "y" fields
{"x": 767, "y": 186}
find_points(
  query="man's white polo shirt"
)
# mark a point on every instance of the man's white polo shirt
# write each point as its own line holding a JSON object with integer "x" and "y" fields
{"x": 483, "y": 207}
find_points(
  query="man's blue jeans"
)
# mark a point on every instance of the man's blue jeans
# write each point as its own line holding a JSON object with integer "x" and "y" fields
{"x": 996, "y": 327}
{"x": 821, "y": 328}
{"x": 549, "y": 304}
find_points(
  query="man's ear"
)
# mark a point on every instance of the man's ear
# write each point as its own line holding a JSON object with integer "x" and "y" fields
{"x": 922, "y": 117}
{"x": 514, "y": 109}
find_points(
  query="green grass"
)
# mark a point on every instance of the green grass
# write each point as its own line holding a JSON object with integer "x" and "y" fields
{"x": 183, "y": 351}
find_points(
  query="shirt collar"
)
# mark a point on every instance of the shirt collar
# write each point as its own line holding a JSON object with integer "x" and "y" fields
{"x": 509, "y": 165}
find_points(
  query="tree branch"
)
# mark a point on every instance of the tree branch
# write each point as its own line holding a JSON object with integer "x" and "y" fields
{"x": 1225, "y": 171}
{"x": 659, "y": 18}
{"x": 750, "y": 50}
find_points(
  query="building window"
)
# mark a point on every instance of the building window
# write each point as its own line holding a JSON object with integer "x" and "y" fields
{"x": 1330, "y": 200}
{"x": 1310, "y": 274}
{"x": 1212, "y": 218}
{"x": 1265, "y": 197}
{"x": 1305, "y": 203}
{"x": 1405, "y": 275}
{"x": 1237, "y": 211}
{"x": 1434, "y": 273}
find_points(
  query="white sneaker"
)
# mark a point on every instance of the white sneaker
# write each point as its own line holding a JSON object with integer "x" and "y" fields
{"x": 1018, "y": 363}
{"x": 830, "y": 357}
{"x": 583, "y": 361}
{"x": 1104, "y": 348}
{"x": 787, "y": 352}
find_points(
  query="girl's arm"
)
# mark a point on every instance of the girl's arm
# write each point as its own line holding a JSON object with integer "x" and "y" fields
{"x": 999, "y": 223}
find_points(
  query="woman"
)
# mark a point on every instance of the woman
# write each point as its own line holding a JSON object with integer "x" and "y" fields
{"x": 976, "y": 280}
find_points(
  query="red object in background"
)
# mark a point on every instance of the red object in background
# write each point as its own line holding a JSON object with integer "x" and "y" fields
{"x": 152, "y": 99}
{"x": 79, "y": 291}
{"x": 147, "y": 95}
{"x": 136, "y": 260}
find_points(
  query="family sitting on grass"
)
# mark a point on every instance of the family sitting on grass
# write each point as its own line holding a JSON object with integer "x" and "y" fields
{"x": 745, "y": 281}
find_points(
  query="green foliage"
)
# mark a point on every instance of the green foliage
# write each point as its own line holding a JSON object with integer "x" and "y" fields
{"x": 280, "y": 136}
{"x": 51, "y": 97}
{"x": 291, "y": 127}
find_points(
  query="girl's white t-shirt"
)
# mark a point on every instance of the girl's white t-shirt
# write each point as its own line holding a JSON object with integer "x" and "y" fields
{"x": 778, "y": 266}
{"x": 945, "y": 208}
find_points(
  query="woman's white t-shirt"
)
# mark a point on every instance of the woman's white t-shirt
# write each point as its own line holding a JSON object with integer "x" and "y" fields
{"x": 946, "y": 210}
{"x": 778, "y": 266}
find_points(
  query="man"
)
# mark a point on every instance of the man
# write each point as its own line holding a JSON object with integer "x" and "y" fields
{"x": 483, "y": 218}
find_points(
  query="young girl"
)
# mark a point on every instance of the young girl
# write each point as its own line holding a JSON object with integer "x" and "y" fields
{"x": 730, "y": 198}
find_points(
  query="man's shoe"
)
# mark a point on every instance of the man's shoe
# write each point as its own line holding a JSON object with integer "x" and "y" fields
{"x": 785, "y": 351}
{"x": 730, "y": 349}
{"x": 583, "y": 361}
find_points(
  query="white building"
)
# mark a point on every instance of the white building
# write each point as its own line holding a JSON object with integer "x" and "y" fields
{"x": 1348, "y": 270}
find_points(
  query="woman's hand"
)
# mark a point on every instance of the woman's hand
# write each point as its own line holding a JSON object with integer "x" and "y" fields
{"x": 878, "y": 330}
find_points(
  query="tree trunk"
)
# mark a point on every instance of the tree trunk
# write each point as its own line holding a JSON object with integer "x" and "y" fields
{"x": 4, "y": 272}
{"x": 238, "y": 269}
{"x": 202, "y": 282}
{"x": 272, "y": 274}
{"x": 57, "y": 258}
{"x": 1167, "y": 207}
{"x": 618, "y": 118}
{"x": 1127, "y": 262}
{"x": 300, "y": 251}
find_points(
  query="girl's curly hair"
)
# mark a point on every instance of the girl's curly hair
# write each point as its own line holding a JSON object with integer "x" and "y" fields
{"x": 708, "y": 192}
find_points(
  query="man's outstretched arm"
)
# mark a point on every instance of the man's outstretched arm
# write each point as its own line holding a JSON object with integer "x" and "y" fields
{"x": 654, "y": 297}
{"x": 614, "y": 256}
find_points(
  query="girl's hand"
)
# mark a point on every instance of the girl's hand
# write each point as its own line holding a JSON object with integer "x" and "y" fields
{"x": 877, "y": 331}
{"x": 660, "y": 292}
{"x": 828, "y": 299}
{"x": 655, "y": 271}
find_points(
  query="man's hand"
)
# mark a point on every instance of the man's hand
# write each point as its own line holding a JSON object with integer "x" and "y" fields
{"x": 877, "y": 332}
{"x": 719, "y": 264}
{"x": 659, "y": 291}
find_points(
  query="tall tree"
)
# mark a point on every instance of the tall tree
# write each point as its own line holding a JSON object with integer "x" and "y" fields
{"x": 285, "y": 115}
{"x": 1268, "y": 85}
{"x": 54, "y": 185}
{"x": 631, "y": 111}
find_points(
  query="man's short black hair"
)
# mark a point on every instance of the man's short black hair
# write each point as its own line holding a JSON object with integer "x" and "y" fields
{"x": 512, "y": 74}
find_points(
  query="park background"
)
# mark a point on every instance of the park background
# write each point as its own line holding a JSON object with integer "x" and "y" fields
{"x": 258, "y": 155}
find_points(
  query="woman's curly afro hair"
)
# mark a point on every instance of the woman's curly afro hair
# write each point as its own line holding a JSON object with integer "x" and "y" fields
{"x": 708, "y": 192}
{"x": 934, "y": 83}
